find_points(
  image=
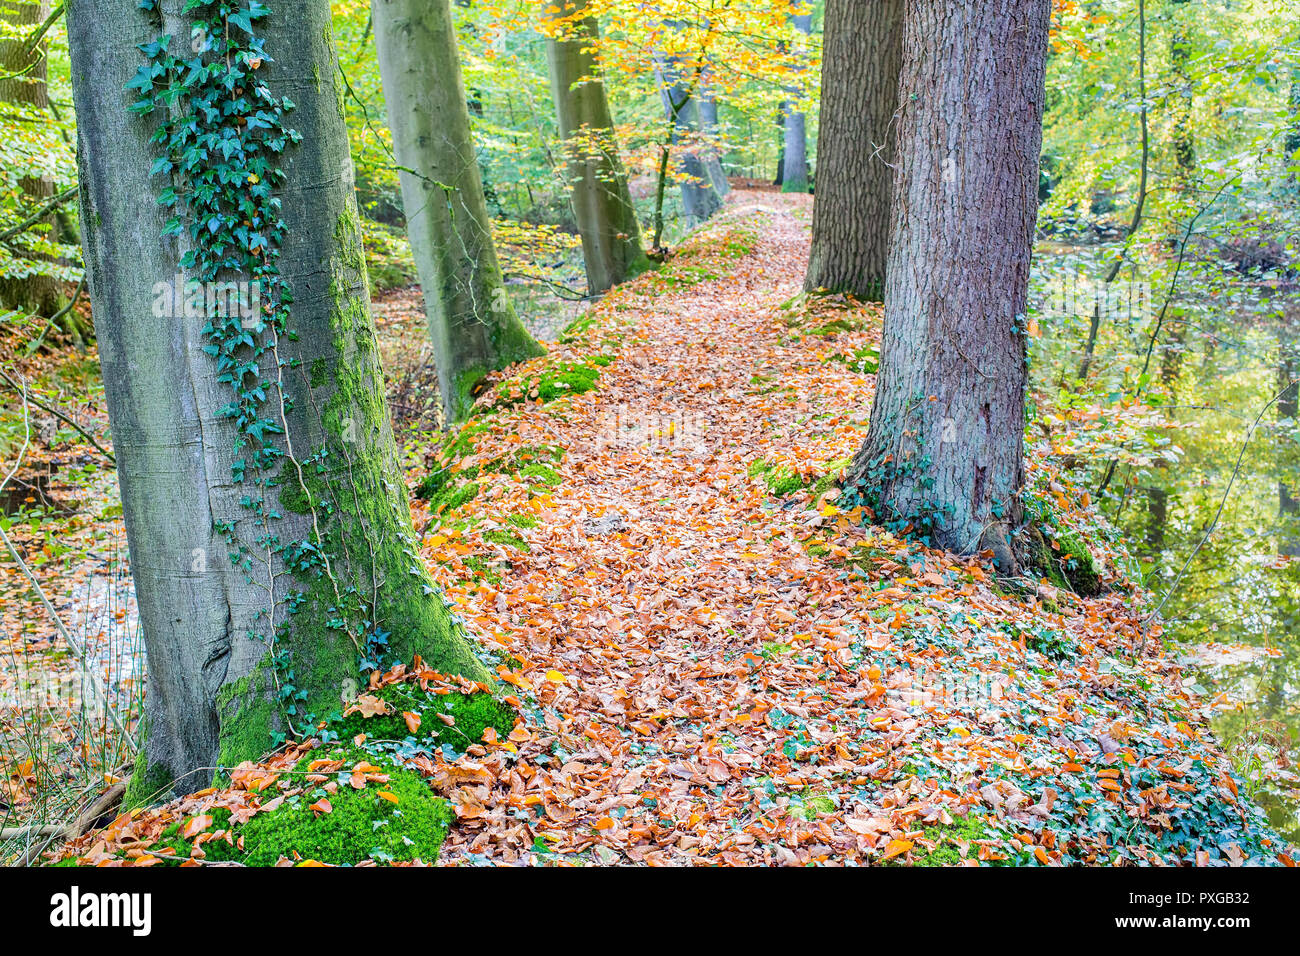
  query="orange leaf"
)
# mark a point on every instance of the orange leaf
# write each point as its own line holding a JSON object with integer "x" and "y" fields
{"x": 896, "y": 848}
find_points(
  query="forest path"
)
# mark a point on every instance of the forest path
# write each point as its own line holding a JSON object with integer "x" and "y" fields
{"x": 667, "y": 612}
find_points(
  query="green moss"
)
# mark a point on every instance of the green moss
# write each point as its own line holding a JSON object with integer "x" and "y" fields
{"x": 523, "y": 521}
{"x": 541, "y": 475}
{"x": 319, "y": 373}
{"x": 558, "y": 381}
{"x": 782, "y": 482}
{"x": 248, "y": 717}
{"x": 408, "y": 824}
{"x": 149, "y": 783}
{"x": 470, "y": 715}
{"x": 865, "y": 360}
{"x": 1070, "y": 564}
{"x": 508, "y": 539}
{"x": 946, "y": 840}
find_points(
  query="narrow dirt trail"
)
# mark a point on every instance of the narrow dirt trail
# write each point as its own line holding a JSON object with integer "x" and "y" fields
{"x": 718, "y": 664}
{"x": 699, "y": 669}
{"x": 661, "y": 569}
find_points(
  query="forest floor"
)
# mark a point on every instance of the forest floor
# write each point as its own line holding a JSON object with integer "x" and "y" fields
{"x": 714, "y": 662}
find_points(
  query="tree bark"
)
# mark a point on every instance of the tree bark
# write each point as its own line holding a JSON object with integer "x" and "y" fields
{"x": 944, "y": 451}
{"x": 471, "y": 319}
{"x": 231, "y": 610}
{"x": 700, "y": 200}
{"x": 794, "y": 150}
{"x": 709, "y": 126}
{"x": 863, "y": 52}
{"x": 23, "y": 85}
{"x": 602, "y": 204}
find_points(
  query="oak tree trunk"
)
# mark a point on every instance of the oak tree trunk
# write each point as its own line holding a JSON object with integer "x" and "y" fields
{"x": 944, "y": 452}
{"x": 602, "y": 204}
{"x": 471, "y": 319}
{"x": 862, "y": 55}
{"x": 252, "y": 625}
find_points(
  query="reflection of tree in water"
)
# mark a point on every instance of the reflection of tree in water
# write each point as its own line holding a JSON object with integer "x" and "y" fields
{"x": 1226, "y": 350}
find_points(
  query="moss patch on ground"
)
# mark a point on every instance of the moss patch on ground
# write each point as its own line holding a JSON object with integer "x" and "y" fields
{"x": 405, "y": 714}
{"x": 348, "y": 810}
{"x": 783, "y": 482}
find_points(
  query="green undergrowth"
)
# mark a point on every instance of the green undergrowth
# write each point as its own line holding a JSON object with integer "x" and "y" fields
{"x": 389, "y": 264}
{"x": 865, "y": 360}
{"x": 447, "y": 488}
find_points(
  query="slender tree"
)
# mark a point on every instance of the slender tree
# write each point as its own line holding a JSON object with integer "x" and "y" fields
{"x": 471, "y": 319}
{"x": 711, "y": 128}
{"x": 700, "y": 200}
{"x": 862, "y": 54}
{"x": 23, "y": 88}
{"x": 269, "y": 528}
{"x": 602, "y": 204}
{"x": 944, "y": 451}
{"x": 794, "y": 148}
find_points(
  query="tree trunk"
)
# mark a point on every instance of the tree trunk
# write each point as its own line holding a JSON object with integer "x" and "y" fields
{"x": 602, "y": 204}
{"x": 794, "y": 150}
{"x": 944, "y": 452}
{"x": 1184, "y": 142}
{"x": 863, "y": 52}
{"x": 23, "y": 85}
{"x": 709, "y": 126}
{"x": 699, "y": 198}
{"x": 1288, "y": 410}
{"x": 266, "y": 514}
{"x": 471, "y": 320}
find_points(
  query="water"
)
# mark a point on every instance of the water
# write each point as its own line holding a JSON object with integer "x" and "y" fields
{"x": 1202, "y": 485}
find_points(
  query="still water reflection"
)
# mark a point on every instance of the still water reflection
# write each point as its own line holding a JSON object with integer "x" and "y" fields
{"x": 1222, "y": 360}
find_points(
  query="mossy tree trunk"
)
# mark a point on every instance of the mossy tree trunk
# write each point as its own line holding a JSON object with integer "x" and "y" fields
{"x": 252, "y": 626}
{"x": 862, "y": 55}
{"x": 794, "y": 149}
{"x": 945, "y": 449}
{"x": 23, "y": 90}
{"x": 602, "y": 204}
{"x": 471, "y": 319}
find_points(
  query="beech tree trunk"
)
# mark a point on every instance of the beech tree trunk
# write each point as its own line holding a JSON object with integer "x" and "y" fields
{"x": 794, "y": 151}
{"x": 602, "y": 204}
{"x": 471, "y": 319}
{"x": 700, "y": 200}
{"x": 710, "y": 127}
{"x": 862, "y": 55}
{"x": 230, "y": 618}
{"x": 944, "y": 451}
{"x": 23, "y": 85}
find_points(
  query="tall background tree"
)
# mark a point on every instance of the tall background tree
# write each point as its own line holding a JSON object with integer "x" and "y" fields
{"x": 944, "y": 454}
{"x": 269, "y": 528}
{"x": 679, "y": 85}
{"x": 23, "y": 89}
{"x": 471, "y": 319}
{"x": 862, "y": 55}
{"x": 602, "y": 204}
{"x": 794, "y": 146}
